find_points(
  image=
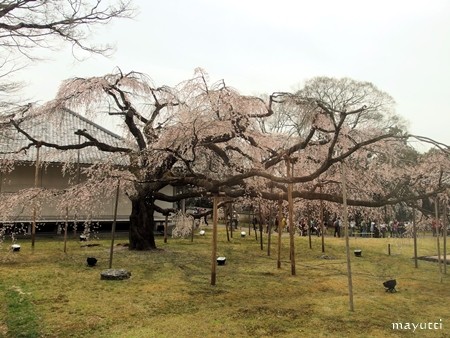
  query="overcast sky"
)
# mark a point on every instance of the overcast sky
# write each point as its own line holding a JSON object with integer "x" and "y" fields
{"x": 403, "y": 47}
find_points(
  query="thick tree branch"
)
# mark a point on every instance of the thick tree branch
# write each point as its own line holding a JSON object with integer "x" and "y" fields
{"x": 92, "y": 142}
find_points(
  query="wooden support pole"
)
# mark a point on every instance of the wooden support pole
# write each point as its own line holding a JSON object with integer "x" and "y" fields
{"x": 214, "y": 242}
{"x": 322, "y": 222}
{"x": 192, "y": 229}
{"x": 36, "y": 183}
{"x": 280, "y": 230}
{"x": 165, "y": 228}
{"x": 436, "y": 213}
{"x": 261, "y": 242}
{"x": 66, "y": 225}
{"x": 269, "y": 229}
{"x": 416, "y": 261}
{"x": 347, "y": 243}
{"x": 113, "y": 228}
{"x": 291, "y": 219}
{"x": 445, "y": 233}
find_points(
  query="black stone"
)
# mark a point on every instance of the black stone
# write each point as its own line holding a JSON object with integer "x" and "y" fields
{"x": 390, "y": 285}
{"x": 91, "y": 261}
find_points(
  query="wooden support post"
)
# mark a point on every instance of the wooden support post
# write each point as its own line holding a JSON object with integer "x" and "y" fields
{"x": 445, "y": 233}
{"x": 280, "y": 230}
{"x": 416, "y": 261}
{"x": 347, "y": 244}
{"x": 436, "y": 212}
{"x": 261, "y": 242}
{"x": 36, "y": 183}
{"x": 165, "y": 228}
{"x": 291, "y": 219}
{"x": 113, "y": 228}
{"x": 322, "y": 222}
{"x": 66, "y": 225}
{"x": 192, "y": 229}
{"x": 214, "y": 242}
{"x": 269, "y": 230}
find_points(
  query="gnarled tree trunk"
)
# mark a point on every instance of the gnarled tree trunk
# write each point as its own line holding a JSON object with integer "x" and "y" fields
{"x": 142, "y": 224}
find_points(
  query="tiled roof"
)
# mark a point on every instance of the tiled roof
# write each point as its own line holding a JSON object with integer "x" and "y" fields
{"x": 58, "y": 128}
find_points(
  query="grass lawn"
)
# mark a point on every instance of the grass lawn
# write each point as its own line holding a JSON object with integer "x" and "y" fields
{"x": 49, "y": 293}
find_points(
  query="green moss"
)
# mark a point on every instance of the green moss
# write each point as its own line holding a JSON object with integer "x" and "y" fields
{"x": 21, "y": 319}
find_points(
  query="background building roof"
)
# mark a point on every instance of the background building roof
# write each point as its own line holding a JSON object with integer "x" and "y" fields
{"x": 58, "y": 128}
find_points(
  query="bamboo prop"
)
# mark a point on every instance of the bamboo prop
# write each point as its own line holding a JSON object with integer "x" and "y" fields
{"x": 113, "y": 228}
{"x": 36, "y": 183}
{"x": 347, "y": 243}
{"x": 214, "y": 242}
{"x": 291, "y": 219}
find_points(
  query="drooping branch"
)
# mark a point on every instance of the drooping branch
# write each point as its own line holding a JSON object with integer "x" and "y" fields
{"x": 442, "y": 146}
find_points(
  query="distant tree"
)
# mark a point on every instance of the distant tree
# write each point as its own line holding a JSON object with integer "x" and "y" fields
{"x": 332, "y": 120}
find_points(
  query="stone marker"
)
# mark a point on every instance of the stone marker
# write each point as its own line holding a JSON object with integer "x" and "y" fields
{"x": 115, "y": 274}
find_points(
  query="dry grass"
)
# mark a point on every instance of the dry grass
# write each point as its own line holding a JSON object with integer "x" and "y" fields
{"x": 169, "y": 293}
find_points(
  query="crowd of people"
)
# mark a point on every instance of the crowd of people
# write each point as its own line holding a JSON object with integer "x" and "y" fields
{"x": 335, "y": 227}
